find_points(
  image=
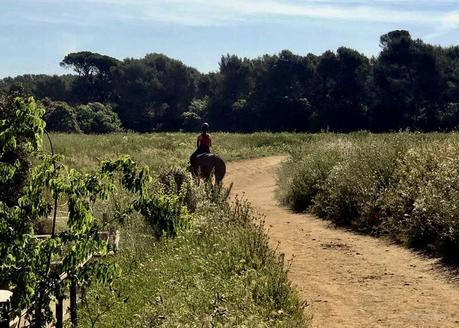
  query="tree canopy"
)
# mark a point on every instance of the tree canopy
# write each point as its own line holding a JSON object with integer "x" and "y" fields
{"x": 409, "y": 85}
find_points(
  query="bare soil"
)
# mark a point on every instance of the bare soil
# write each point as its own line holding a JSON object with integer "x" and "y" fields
{"x": 347, "y": 279}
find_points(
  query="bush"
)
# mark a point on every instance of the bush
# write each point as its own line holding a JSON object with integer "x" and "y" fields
{"x": 402, "y": 185}
{"x": 304, "y": 174}
{"x": 60, "y": 117}
{"x": 351, "y": 193}
{"x": 177, "y": 181}
{"x": 421, "y": 206}
{"x": 97, "y": 118}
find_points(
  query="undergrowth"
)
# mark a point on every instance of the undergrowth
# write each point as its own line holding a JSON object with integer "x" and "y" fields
{"x": 221, "y": 272}
{"x": 402, "y": 185}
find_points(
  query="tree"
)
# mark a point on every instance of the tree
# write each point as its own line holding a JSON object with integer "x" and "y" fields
{"x": 350, "y": 91}
{"x": 53, "y": 87}
{"x": 60, "y": 117}
{"x": 282, "y": 92}
{"x": 95, "y": 75}
{"x": 15, "y": 158}
{"x": 233, "y": 84}
{"x": 408, "y": 84}
{"x": 194, "y": 116}
{"x": 152, "y": 93}
{"x": 97, "y": 118}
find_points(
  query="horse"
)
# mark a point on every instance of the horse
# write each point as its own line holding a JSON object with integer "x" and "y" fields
{"x": 203, "y": 165}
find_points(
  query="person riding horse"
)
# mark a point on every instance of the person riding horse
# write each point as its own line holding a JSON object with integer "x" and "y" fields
{"x": 203, "y": 143}
{"x": 203, "y": 162}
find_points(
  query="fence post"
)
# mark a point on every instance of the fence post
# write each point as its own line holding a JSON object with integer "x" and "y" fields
{"x": 73, "y": 303}
{"x": 5, "y": 296}
{"x": 60, "y": 311}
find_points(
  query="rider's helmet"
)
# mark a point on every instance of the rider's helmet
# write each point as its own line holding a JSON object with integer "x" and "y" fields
{"x": 205, "y": 127}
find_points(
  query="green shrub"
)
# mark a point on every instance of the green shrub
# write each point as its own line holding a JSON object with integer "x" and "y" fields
{"x": 351, "y": 193}
{"x": 402, "y": 185}
{"x": 177, "y": 181}
{"x": 304, "y": 174}
{"x": 60, "y": 117}
{"x": 97, "y": 118}
{"x": 421, "y": 205}
{"x": 18, "y": 157}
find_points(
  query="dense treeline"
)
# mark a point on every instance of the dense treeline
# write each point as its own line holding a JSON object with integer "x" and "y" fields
{"x": 409, "y": 85}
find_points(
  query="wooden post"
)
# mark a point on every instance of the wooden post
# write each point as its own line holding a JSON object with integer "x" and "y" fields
{"x": 73, "y": 303}
{"x": 5, "y": 318}
{"x": 60, "y": 311}
{"x": 5, "y": 296}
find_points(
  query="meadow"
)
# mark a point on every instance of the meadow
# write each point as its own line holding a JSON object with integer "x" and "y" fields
{"x": 218, "y": 271}
{"x": 163, "y": 150}
{"x": 404, "y": 186}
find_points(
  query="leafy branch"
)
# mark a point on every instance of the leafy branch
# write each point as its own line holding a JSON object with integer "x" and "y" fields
{"x": 25, "y": 260}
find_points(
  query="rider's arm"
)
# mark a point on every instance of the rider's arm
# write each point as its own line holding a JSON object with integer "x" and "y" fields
{"x": 198, "y": 141}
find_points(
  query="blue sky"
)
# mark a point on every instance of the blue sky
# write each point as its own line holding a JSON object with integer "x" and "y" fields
{"x": 36, "y": 34}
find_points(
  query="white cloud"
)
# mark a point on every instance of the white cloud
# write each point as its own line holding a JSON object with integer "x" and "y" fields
{"x": 448, "y": 23}
{"x": 202, "y": 12}
{"x": 451, "y": 20}
{"x": 218, "y": 12}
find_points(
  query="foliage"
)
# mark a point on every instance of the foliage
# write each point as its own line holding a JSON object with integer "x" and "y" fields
{"x": 409, "y": 85}
{"x": 60, "y": 117}
{"x": 25, "y": 261}
{"x": 94, "y": 82}
{"x": 421, "y": 204}
{"x": 309, "y": 166}
{"x": 193, "y": 117}
{"x": 97, "y": 118}
{"x": 90, "y": 118}
{"x": 15, "y": 149}
{"x": 401, "y": 185}
{"x": 152, "y": 93}
{"x": 221, "y": 272}
{"x": 177, "y": 181}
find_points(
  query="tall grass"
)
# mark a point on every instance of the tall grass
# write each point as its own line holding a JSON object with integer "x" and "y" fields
{"x": 162, "y": 150}
{"x": 219, "y": 273}
{"x": 402, "y": 185}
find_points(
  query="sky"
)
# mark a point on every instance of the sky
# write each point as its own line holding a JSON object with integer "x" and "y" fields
{"x": 35, "y": 35}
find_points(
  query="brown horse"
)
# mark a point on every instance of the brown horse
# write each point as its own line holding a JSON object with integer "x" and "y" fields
{"x": 203, "y": 165}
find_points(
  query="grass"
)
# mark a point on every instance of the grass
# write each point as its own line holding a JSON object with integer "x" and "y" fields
{"x": 220, "y": 272}
{"x": 159, "y": 150}
{"x": 403, "y": 185}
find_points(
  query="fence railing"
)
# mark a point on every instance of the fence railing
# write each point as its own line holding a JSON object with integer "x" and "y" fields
{"x": 111, "y": 237}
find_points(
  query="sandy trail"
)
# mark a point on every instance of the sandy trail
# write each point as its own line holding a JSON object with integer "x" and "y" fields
{"x": 348, "y": 280}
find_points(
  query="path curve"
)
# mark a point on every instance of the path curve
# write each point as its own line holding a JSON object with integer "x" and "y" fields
{"x": 348, "y": 280}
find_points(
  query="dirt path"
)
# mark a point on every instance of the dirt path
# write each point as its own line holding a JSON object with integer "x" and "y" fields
{"x": 349, "y": 280}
